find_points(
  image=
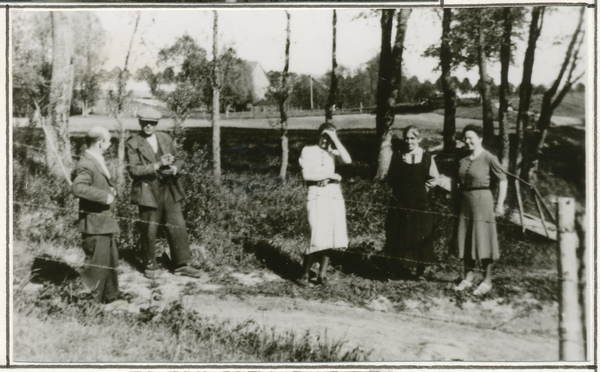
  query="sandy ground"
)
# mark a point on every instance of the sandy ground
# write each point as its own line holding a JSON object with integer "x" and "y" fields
{"x": 489, "y": 331}
{"x": 432, "y": 329}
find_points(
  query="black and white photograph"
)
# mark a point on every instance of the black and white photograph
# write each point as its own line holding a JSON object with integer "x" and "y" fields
{"x": 348, "y": 185}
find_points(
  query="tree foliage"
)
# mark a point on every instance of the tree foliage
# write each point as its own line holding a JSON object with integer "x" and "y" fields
{"x": 184, "y": 79}
{"x": 32, "y": 61}
{"x": 236, "y": 77}
{"x": 186, "y": 72}
{"x": 88, "y": 61}
{"x": 355, "y": 88}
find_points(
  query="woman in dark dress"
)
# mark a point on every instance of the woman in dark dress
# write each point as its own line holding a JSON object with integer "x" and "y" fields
{"x": 477, "y": 236}
{"x": 409, "y": 230}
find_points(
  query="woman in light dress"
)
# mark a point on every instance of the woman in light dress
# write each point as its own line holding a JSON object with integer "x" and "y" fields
{"x": 477, "y": 235}
{"x": 325, "y": 203}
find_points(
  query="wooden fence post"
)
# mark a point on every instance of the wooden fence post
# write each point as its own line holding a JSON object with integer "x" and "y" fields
{"x": 570, "y": 329}
{"x": 584, "y": 300}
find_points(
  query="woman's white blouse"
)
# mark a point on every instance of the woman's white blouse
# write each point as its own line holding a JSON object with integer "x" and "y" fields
{"x": 315, "y": 160}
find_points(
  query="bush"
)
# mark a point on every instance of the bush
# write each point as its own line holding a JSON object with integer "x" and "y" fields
{"x": 250, "y": 205}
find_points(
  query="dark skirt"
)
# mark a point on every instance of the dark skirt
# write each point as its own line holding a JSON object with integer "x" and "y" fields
{"x": 409, "y": 235}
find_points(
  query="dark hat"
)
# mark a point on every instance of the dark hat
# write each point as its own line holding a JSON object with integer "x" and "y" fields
{"x": 149, "y": 114}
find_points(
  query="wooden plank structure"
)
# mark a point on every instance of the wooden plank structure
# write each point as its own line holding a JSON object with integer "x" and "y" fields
{"x": 537, "y": 225}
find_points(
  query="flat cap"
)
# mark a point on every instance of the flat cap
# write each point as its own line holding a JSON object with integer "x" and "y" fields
{"x": 149, "y": 114}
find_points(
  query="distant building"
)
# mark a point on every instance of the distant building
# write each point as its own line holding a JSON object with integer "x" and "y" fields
{"x": 260, "y": 81}
{"x": 141, "y": 96}
{"x": 462, "y": 95}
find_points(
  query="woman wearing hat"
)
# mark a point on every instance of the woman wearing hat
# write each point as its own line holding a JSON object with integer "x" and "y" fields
{"x": 325, "y": 203}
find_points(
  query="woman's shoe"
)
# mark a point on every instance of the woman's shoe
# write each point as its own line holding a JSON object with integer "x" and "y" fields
{"x": 465, "y": 284}
{"x": 482, "y": 289}
{"x": 323, "y": 281}
{"x": 302, "y": 281}
{"x": 188, "y": 270}
{"x": 153, "y": 273}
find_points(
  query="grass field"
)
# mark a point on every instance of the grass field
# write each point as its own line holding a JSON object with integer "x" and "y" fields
{"x": 433, "y": 122}
{"x": 255, "y": 222}
{"x": 572, "y": 107}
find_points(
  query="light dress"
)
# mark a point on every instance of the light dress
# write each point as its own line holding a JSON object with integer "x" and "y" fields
{"x": 325, "y": 205}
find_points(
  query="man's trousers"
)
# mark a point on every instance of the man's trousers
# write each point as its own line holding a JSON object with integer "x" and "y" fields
{"x": 168, "y": 213}
{"x": 99, "y": 273}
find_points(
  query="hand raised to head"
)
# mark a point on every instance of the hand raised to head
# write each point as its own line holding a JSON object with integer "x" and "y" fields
{"x": 331, "y": 133}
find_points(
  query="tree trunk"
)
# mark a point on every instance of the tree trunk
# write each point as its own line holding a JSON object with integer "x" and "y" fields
{"x": 333, "y": 87}
{"x": 178, "y": 128}
{"x": 216, "y": 140}
{"x": 120, "y": 106}
{"x": 284, "y": 151}
{"x": 484, "y": 89}
{"x": 505, "y": 53}
{"x": 526, "y": 89}
{"x": 448, "y": 85}
{"x": 282, "y": 102}
{"x": 385, "y": 148}
{"x": 549, "y": 103}
{"x": 61, "y": 90}
{"x": 310, "y": 80}
{"x": 384, "y": 86}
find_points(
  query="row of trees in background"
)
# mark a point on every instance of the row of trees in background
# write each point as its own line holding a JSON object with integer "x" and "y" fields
{"x": 32, "y": 60}
{"x": 52, "y": 69}
{"x": 472, "y": 38}
{"x": 354, "y": 88}
{"x": 184, "y": 81}
{"x": 56, "y": 73}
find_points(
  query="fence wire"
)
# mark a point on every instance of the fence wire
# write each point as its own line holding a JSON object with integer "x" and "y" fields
{"x": 350, "y": 201}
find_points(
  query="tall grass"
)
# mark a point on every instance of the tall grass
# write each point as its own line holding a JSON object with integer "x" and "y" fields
{"x": 72, "y": 328}
{"x": 256, "y": 220}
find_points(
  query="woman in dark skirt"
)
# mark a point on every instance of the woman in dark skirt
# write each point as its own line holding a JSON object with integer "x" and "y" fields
{"x": 408, "y": 226}
{"x": 477, "y": 236}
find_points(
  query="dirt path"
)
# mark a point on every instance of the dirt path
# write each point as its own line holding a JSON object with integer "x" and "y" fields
{"x": 439, "y": 332}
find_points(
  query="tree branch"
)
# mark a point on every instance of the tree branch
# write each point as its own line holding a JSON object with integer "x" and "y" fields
{"x": 568, "y": 55}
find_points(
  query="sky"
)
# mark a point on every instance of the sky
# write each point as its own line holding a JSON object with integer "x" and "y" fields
{"x": 259, "y": 35}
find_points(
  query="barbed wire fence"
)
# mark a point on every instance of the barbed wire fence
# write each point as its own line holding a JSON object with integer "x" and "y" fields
{"x": 381, "y": 206}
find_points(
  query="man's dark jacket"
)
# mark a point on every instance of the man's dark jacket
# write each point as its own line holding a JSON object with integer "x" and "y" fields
{"x": 92, "y": 186}
{"x": 141, "y": 159}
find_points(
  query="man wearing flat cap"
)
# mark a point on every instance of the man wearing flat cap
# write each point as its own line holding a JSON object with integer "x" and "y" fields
{"x": 156, "y": 189}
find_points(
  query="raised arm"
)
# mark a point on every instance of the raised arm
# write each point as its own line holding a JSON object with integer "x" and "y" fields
{"x": 344, "y": 155}
{"x": 310, "y": 170}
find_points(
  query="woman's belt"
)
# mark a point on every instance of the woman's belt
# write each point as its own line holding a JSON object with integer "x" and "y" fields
{"x": 321, "y": 183}
{"x": 475, "y": 188}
